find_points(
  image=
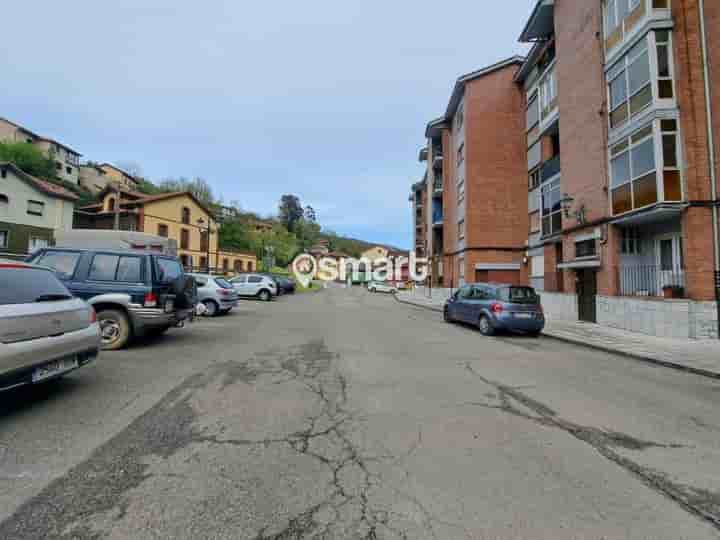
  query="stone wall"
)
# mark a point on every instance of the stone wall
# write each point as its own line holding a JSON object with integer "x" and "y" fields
{"x": 559, "y": 306}
{"x": 663, "y": 318}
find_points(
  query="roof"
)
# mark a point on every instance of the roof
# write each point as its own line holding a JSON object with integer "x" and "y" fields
{"x": 118, "y": 169}
{"x": 541, "y": 22}
{"x": 459, "y": 89}
{"x": 530, "y": 61}
{"x": 48, "y": 188}
{"x": 143, "y": 198}
{"x": 434, "y": 126}
{"x": 40, "y": 137}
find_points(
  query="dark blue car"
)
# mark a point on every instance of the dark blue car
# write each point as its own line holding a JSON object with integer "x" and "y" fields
{"x": 495, "y": 306}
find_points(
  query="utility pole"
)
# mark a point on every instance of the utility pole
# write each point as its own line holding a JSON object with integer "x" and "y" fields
{"x": 117, "y": 206}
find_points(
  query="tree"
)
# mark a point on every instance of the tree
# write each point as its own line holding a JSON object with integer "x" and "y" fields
{"x": 197, "y": 186}
{"x": 28, "y": 158}
{"x": 310, "y": 214}
{"x": 237, "y": 235}
{"x": 290, "y": 211}
{"x": 307, "y": 233}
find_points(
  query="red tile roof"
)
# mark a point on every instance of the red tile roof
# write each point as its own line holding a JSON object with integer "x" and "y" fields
{"x": 44, "y": 186}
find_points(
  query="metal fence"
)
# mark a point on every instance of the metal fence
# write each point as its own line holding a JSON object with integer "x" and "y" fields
{"x": 652, "y": 280}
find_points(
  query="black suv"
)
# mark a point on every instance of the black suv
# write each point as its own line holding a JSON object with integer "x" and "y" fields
{"x": 133, "y": 292}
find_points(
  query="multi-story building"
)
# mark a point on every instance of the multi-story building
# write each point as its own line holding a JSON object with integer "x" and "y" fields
{"x": 67, "y": 160}
{"x": 418, "y": 199}
{"x": 119, "y": 176}
{"x": 476, "y": 180}
{"x": 31, "y": 211}
{"x": 620, "y": 97}
{"x": 179, "y": 216}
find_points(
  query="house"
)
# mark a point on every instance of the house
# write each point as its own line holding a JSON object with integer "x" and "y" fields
{"x": 622, "y": 128}
{"x": 179, "y": 216}
{"x": 31, "y": 211}
{"x": 471, "y": 206}
{"x": 117, "y": 175}
{"x": 67, "y": 160}
{"x": 93, "y": 177}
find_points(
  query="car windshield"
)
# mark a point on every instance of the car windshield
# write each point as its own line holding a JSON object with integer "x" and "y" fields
{"x": 28, "y": 285}
{"x": 519, "y": 295}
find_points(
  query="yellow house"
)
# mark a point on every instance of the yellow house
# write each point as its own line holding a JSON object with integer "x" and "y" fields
{"x": 116, "y": 174}
{"x": 179, "y": 216}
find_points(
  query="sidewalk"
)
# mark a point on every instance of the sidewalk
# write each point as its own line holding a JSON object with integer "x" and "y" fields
{"x": 696, "y": 356}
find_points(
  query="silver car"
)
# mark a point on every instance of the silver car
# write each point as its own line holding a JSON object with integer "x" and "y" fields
{"x": 44, "y": 332}
{"x": 382, "y": 287}
{"x": 216, "y": 293}
{"x": 256, "y": 286}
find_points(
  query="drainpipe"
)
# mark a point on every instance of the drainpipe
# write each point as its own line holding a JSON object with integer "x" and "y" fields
{"x": 711, "y": 148}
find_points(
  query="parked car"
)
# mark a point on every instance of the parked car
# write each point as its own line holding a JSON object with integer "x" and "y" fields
{"x": 284, "y": 283}
{"x": 382, "y": 287}
{"x": 494, "y": 306}
{"x": 216, "y": 293}
{"x": 133, "y": 292}
{"x": 45, "y": 332}
{"x": 255, "y": 285}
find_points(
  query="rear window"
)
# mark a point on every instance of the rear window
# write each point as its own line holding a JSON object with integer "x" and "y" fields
{"x": 224, "y": 283}
{"x": 169, "y": 269}
{"x": 63, "y": 262}
{"x": 255, "y": 279}
{"x": 519, "y": 295}
{"x": 28, "y": 285}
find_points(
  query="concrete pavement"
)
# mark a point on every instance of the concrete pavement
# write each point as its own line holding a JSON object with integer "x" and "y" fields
{"x": 342, "y": 414}
{"x": 696, "y": 356}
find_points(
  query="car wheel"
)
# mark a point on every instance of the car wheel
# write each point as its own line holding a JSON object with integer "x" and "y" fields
{"x": 446, "y": 316}
{"x": 211, "y": 308}
{"x": 485, "y": 327}
{"x": 264, "y": 295}
{"x": 114, "y": 329}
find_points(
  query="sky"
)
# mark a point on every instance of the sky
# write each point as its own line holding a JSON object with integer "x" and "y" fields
{"x": 325, "y": 100}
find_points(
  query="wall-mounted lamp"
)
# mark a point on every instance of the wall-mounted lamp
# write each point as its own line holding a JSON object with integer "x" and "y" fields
{"x": 567, "y": 203}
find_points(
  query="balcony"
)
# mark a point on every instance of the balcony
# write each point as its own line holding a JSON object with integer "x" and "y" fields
{"x": 438, "y": 218}
{"x": 438, "y": 186}
{"x": 550, "y": 169}
{"x": 423, "y": 155}
{"x": 438, "y": 162}
{"x": 652, "y": 280}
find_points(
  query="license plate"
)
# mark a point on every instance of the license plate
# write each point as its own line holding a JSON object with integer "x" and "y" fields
{"x": 523, "y": 315}
{"x": 54, "y": 368}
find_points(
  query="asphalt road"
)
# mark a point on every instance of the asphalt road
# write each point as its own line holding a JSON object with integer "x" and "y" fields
{"x": 342, "y": 414}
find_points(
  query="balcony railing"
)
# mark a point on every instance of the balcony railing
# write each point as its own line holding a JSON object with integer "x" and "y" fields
{"x": 438, "y": 217}
{"x": 550, "y": 168}
{"x": 438, "y": 185}
{"x": 438, "y": 161}
{"x": 652, "y": 280}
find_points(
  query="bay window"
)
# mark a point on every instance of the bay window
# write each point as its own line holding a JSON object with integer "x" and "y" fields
{"x": 635, "y": 164}
{"x": 551, "y": 208}
{"x": 644, "y": 73}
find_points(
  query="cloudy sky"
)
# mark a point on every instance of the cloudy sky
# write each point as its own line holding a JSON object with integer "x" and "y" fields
{"x": 327, "y": 100}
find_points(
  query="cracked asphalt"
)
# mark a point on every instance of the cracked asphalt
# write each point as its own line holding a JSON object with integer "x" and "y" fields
{"x": 342, "y": 414}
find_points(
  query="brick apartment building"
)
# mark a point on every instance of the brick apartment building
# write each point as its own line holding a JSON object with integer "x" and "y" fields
{"x": 476, "y": 221}
{"x": 619, "y": 162}
{"x": 619, "y": 130}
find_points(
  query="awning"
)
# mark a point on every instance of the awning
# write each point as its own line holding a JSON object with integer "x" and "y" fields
{"x": 593, "y": 262}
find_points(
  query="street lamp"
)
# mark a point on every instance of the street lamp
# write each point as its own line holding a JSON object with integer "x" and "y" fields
{"x": 200, "y": 223}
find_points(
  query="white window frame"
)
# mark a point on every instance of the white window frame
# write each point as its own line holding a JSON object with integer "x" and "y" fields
{"x": 40, "y": 208}
{"x": 461, "y": 229}
{"x": 36, "y": 242}
{"x": 4, "y": 238}
{"x": 461, "y": 190}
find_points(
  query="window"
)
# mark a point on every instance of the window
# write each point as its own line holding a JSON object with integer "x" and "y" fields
{"x": 534, "y": 179}
{"x": 630, "y": 241}
{"x": 459, "y": 118}
{"x": 129, "y": 270}
{"x": 58, "y": 166}
{"x": 537, "y": 266}
{"x": 586, "y": 248}
{"x": 26, "y": 285}
{"x": 68, "y": 170}
{"x": 250, "y": 266}
{"x": 63, "y": 262}
{"x": 203, "y": 262}
{"x": 532, "y": 116}
{"x": 461, "y": 154}
{"x": 461, "y": 190}
{"x": 551, "y": 208}
{"x": 254, "y": 279}
{"x": 664, "y": 64}
{"x": 226, "y": 265}
{"x": 239, "y": 266}
{"x": 548, "y": 92}
{"x": 168, "y": 269}
{"x": 672, "y": 181}
{"x": 3, "y": 173}
{"x": 204, "y": 241}
{"x": 115, "y": 268}
{"x": 36, "y": 243}
{"x": 163, "y": 230}
{"x": 633, "y": 180}
{"x": 186, "y": 215}
{"x": 461, "y": 269}
{"x": 36, "y": 208}
{"x": 461, "y": 229}
{"x": 111, "y": 204}
{"x": 4, "y": 235}
{"x": 184, "y": 239}
{"x": 534, "y": 156}
{"x": 4, "y": 204}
